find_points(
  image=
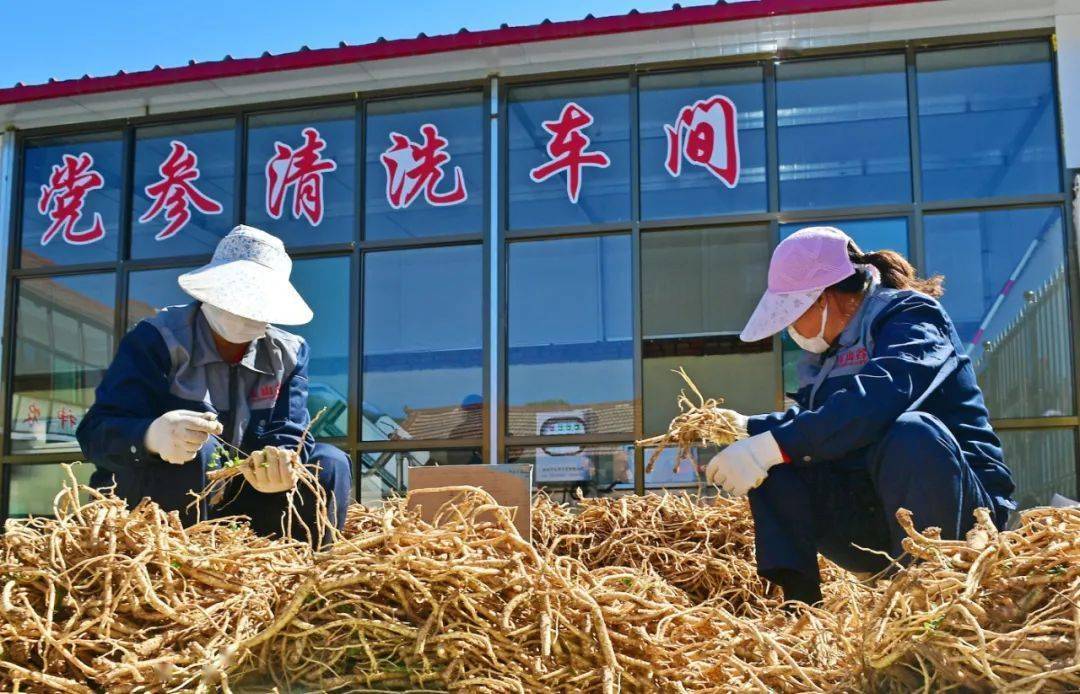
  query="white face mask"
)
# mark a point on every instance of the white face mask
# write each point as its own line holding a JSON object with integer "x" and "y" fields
{"x": 817, "y": 343}
{"x": 231, "y": 327}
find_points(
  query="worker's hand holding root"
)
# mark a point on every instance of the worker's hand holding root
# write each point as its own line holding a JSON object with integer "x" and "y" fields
{"x": 177, "y": 436}
{"x": 737, "y": 419}
{"x": 272, "y": 470}
{"x": 745, "y": 464}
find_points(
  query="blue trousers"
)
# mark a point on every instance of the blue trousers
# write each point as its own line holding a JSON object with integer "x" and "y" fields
{"x": 805, "y": 508}
{"x": 170, "y": 486}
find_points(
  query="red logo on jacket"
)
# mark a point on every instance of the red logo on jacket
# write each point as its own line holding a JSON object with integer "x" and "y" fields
{"x": 852, "y": 357}
{"x": 268, "y": 391}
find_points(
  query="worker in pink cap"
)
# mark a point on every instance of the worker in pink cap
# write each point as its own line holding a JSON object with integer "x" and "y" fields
{"x": 887, "y": 416}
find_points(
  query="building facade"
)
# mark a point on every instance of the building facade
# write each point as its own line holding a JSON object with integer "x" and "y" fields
{"x": 511, "y": 237}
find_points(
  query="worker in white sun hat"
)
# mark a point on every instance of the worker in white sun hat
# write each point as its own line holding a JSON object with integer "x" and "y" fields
{"x": 215, "y": 378}
{"x": 887, "y": 416}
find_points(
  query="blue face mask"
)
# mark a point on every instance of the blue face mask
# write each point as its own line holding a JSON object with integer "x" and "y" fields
{"x": 817, "y": 343}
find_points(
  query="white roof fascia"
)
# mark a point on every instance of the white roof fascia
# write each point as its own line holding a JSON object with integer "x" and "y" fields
{"x": 704, "y": 41}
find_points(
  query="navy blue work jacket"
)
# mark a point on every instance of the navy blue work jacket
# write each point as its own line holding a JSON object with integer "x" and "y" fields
{"x": 899, "y": 353}
{"x": 170, "y": 362}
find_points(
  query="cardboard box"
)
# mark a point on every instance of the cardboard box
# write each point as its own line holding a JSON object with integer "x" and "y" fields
{"x": 509, "y": 484}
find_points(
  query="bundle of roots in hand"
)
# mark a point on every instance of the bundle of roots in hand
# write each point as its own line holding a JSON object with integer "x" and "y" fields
{"x": 101, "y": 598}
{"x": 702, "y": 546}
{"x": 993, "y": 612}
{"x": 700, "y": 423}
{"x": 224, "y": 482}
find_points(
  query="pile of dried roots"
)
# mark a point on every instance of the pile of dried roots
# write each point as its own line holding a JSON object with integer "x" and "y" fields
{"x": 467, "y": 605}
{"x": 101, "y": 598}
{"x": 637, "y": 595}
{"x": 997, "y": 611}
{"x": 705, "y": 548}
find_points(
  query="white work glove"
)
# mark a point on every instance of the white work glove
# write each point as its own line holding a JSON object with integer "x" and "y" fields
{"x": 177, "y": 436}
{"x": 740, "y": 420}
{"x": 745, "y": 464}
{"x": 271, "y": 470}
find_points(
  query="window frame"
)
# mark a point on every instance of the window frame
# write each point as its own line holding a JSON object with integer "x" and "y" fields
{"x": 912, "y": 211}
{"x": 122, "y": 267}
{"x": 496, "y": 234}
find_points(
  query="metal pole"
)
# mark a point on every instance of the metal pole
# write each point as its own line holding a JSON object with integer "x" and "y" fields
{"x": 7, "y": 183}
{"x": 494, "y": 272}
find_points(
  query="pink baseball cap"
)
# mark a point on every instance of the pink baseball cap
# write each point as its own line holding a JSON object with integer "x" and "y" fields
{"x": 802, "y": 266}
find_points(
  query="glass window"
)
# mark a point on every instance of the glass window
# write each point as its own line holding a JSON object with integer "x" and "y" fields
{"x": 62, "y": 349}
{"x": 1043, "y": 463}
{"x": 685, "y": 474}
{"x": 386, "y": 473}
{"x": 323, "y": 282}
{"x": 843, "y": 132}
{"x": 1006, "y": 291}
{"x": 35, "y": 486}
{"x": 870, "y": 235}
{"x": 702, "y": 143}
{"x": 149, "y": 291}
{"x": 569, "y": 154}
{"x": 988, "y": 122}
{"x": 698, "y": 290}
{"x": 301, "y": 175}
{"x": 570, "y": 337}
{"x": 185, "y": 178}
{"x": 71, "y": 200}
{"x": 423, "y": 344}
{"x": 595, "y": 470}
{"x": 425, "y": 167}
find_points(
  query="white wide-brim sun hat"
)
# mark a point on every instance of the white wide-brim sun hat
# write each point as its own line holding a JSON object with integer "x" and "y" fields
{"x": 249, "y": 277}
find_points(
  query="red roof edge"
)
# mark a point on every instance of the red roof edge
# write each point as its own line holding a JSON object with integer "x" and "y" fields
{"x": 424, "y": 45}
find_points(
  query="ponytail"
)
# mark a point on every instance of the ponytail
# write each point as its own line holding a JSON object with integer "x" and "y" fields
{"x": 897, "y": 273}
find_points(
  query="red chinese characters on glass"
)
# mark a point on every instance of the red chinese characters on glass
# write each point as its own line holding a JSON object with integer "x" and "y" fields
{"x": 413, "y": 168}
{"x": 705, "y": 134}
{"x": 175, "y": 192}
{"x": 567, "y": 149}
{"x": 300, "y": 170}
{"x": 64, "y": 196}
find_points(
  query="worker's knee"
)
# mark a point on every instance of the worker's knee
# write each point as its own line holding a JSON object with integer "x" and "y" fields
{"x": 917, "y": 434}
{"x": 333, "y": 464}
{"x": 335, "y": 477}
{"x": 920, "y": 442}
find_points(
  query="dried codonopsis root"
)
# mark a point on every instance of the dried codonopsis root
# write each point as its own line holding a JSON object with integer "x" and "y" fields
{"x": 230, "y": 463}
{"x": 702, "y": 546}
{"x": 997, "y": 611}
{"x": 637, "y": 594}
{"x": 463, "y": 603}
{"x": 105, "y": 598}
{"x": 698, "y": 424}
{"x": 233, "y": 462}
